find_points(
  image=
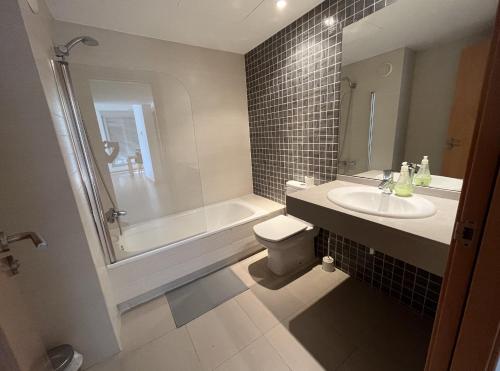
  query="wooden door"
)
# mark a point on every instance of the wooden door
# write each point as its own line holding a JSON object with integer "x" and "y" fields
{"x": 21, "y": 348}
{"x": 476, "y": 348}
{"x": 472, "y": 234}
{"x": 465, "y": 108}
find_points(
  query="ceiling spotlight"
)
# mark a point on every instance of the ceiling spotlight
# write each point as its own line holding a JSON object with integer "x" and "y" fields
{"x": 329, "y": 22}
{"x": 280, "y": 4}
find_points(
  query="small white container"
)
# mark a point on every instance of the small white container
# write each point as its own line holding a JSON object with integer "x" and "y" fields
{"x": 328, "y": 265}
{"x": 309, "y": 180}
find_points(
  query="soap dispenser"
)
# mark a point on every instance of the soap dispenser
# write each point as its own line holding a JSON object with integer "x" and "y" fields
{"x": 403, "y": 186}
{"x": 423, "y": 176}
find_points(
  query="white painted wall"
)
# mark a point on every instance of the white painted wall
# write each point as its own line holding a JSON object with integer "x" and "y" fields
{"x": 66, "y": 285}
{"x": 216, "y": 84}
{"x": 391, "y": 105}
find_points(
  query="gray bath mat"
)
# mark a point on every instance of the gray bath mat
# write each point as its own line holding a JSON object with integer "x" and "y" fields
{"x": 198, "y": 297}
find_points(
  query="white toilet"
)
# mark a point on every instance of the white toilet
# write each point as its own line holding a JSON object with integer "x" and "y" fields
{"x": 289, "y": 240}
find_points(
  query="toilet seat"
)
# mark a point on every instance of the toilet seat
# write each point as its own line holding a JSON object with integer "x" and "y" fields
{"x": 280, "y": 228}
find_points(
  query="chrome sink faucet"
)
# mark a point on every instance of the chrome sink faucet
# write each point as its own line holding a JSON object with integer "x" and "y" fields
{"x": 387, "y": 183}
{"x": 412, "y": 168}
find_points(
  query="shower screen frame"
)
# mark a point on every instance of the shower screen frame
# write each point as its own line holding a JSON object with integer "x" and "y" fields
{"x": 83, "y": 154}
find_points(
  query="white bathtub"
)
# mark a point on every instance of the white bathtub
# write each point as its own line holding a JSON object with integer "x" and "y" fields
{"x": 187, "y": 225}
{"x": 189, "y": 245}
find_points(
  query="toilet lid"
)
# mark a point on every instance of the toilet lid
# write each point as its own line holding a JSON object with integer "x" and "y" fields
{"x": 279, "y": 228}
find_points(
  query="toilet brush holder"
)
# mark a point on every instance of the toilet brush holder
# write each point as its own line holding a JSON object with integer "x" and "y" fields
{"x": 328, "y": 265}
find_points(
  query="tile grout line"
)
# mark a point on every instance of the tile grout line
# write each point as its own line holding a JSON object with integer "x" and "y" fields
{"x": 276, "y": 350}
{"x": 192, "y": 344}
{"x": 262, "y": 336}
{"x": 149, "y": 341}
{"x": 238, "y": 350}
{"x": 248, "y": 315}
{"x": 356, "y": 348}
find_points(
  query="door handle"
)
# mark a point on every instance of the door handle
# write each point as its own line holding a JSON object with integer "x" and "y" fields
{"x": 453, "y": 142}
{"x": 37, "y": 240}
{"x": 9, "y": 261}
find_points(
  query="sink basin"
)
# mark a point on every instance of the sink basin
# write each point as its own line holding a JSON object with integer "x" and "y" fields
{"x": 372, "y": 201}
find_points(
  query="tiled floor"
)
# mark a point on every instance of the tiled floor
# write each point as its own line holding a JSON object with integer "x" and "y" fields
{"x": 310, "y": 321}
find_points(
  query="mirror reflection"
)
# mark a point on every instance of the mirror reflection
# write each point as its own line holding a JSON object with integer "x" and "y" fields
{"x": 391, "y": 66}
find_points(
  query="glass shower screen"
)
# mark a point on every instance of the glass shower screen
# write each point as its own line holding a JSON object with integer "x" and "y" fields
{"x": 141, "y": 131}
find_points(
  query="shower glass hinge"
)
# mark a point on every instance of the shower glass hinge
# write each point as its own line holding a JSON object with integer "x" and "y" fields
{"x": 112, "y": 215}
{"x": 465, "y": 232}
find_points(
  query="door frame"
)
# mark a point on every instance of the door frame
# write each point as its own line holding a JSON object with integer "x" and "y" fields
{"x": 478, "y": 337}
{"x": 473, "y": 239}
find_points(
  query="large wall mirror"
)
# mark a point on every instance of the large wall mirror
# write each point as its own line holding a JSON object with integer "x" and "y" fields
{"x": 412, "y": 75}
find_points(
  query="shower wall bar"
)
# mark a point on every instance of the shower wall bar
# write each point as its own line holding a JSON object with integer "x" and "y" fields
{"x": 370, "y": 128}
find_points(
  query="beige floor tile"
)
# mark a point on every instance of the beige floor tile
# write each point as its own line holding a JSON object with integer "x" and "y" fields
{"x": 404, "y": 338}
{"x": 262, "y": 317}
{"x": 291, "y": 351}
{"x": 259, "y": 355}
{"x": 145, "y": 323}
{"x": 254, "y": 269}
{"x": 111, "y": 364}
{"x": 173, "y": 351}
{"x": 312, "y": 320}
{"x": 221, "y": 333}
{"x": 362, "y": 360}
{"x": 317, "y": 335}
{"x": 313, "y": 284}
{"x": 280, "y": 302}
{"x": 351, "y": 308}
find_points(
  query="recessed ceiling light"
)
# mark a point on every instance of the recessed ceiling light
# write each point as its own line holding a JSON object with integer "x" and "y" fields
{"x": 329, "y": 22}
{"x": 280, "y": 4}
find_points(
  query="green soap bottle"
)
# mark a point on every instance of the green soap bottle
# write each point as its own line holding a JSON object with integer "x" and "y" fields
{"x": 403, "y": 186}
{"x": 423, "y": 176}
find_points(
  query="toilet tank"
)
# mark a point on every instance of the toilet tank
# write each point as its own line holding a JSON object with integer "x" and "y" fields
{"x": 294, "y": 186}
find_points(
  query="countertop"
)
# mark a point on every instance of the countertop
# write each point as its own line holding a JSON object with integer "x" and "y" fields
{"x": 423, "y": 242}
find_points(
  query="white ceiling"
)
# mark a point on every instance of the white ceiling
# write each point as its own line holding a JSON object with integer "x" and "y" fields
{"x": 415, "y": 24}
{"x": 231, "y": 25}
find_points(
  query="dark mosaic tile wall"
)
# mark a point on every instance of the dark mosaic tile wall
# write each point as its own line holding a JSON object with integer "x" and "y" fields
{"x": 412, "y": 286}
{"x": 293, "y": 88}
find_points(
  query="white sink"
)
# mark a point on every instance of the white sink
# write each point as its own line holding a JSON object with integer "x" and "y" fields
{"x": 372, "y": 201}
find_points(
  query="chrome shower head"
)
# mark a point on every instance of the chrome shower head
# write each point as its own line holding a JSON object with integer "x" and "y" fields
{"x": 62, "y": 51}
{"x": 90, "y": 41}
